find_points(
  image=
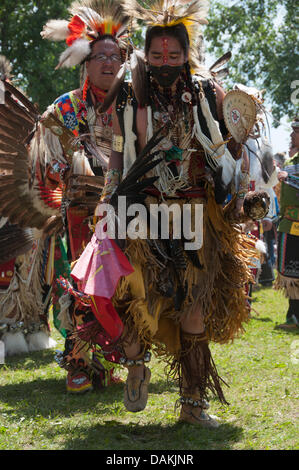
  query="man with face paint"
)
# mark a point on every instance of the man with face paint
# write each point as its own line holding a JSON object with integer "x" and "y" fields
{"x": 178, "y": 300}
{"x": 166, "y": 59}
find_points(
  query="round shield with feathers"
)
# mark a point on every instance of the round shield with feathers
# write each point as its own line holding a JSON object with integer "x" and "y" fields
{"x": 239, "y": 110}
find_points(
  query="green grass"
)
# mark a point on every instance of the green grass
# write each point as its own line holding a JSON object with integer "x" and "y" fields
{"x": 260, "y": 367}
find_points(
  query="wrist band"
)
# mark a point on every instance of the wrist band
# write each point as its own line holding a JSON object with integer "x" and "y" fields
{"x": 112, "y": 180}
{"x": 117, "y": 143}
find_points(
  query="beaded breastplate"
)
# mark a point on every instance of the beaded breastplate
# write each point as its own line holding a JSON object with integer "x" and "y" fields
{"x": 80, "y": 119}
{"x": 183, "y": 161}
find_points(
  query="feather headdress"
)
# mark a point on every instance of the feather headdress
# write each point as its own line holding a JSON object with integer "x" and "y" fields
{"x": 90, "y": 19}
{"x": 192, "y": 13}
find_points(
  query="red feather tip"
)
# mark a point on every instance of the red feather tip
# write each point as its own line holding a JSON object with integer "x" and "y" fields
{"x": 76, "y": 27}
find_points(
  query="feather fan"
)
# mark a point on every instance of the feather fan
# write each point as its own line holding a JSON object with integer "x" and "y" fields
{"x": 14, "y": 241}
{"x": 21, "y": 201}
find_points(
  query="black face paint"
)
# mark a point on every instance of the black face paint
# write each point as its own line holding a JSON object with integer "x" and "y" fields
{"x": 171, "y": 74}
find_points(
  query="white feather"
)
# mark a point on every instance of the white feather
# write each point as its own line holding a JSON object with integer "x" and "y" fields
{"x": 74, "y": 54}
{"x": 238, "y": 170}
{"x": 15, "y": 343}
{"x": 215, "y": 159}
{"x": 81, "y": 165}
{"x": 261, "y": 247}
{"x": 3, "y": 221}
{"x": 56, "y": 30}
{"x": 39, "y": 341}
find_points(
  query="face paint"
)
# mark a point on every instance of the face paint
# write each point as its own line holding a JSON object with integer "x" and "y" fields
{"x": 166, "y": 74}
{"x": 165, "y": 50}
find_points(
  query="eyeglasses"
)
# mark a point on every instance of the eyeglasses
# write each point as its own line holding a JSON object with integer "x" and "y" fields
{"x": 104, "y": 58}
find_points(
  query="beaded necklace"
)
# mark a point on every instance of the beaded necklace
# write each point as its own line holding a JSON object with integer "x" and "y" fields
{"x": 171, "y": 107}
{"x": 101, "y": 133}
{"x": 184, "y": 158}
{"x": 99, "y": 95}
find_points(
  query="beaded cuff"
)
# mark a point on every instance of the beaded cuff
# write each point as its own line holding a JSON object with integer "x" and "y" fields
{"x": 112, "y": 180}
{"x": 117, "y": 143}
{"x": 194, "y": 402}
{"x": 124, "y": 361}
{"x": 243, "y": 186}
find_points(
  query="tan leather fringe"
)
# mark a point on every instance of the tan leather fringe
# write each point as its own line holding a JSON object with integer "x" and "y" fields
{"x": 217, "y": 290}
{"x": 289, "y": 286}
{"x": 195, "y": 370}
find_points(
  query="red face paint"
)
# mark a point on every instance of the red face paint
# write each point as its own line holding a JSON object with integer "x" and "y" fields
{"x": 165, "y": 49}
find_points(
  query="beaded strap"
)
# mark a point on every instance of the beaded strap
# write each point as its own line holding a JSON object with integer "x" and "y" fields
{"x": 194, "y": 402}
{"x": 124, "y": 361}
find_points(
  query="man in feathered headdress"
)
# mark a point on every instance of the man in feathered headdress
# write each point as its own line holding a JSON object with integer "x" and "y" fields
{"x": 176, "y": 299}
{"x": 96, "y": 40}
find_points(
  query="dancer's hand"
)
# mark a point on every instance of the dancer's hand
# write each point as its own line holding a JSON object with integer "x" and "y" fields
{"x": 239, "y": 208}
{"x": 282, "y": 175}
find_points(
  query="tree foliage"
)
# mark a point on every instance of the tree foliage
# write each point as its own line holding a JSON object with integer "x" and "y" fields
{"x": 34, "y": 59}
{"x": 262, "y": 35}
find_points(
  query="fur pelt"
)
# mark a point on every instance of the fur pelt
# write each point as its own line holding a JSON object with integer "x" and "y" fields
{"x": 39, "y": 341}
{"x": 15, "y": 343}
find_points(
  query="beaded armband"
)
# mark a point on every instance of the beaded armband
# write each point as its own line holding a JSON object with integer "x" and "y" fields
{"x": 112, "y": 180}
{"x": 243, "y": 186}
{"x": 59, "y": 167}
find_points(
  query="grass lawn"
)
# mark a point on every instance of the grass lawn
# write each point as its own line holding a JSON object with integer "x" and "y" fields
{"x": 261, "y": 368}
